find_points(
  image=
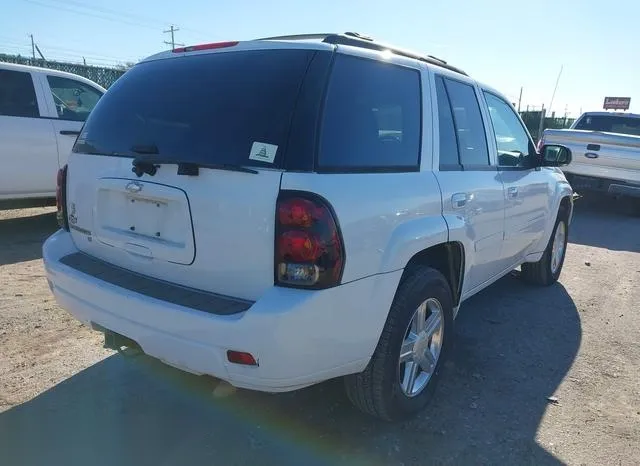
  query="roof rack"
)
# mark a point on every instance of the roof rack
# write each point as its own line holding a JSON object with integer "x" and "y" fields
{"x": 358, "y": 40}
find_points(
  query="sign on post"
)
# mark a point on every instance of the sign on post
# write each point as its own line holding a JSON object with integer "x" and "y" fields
{"x": 617, "y": 103}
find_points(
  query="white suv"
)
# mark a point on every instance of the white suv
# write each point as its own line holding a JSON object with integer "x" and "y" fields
{"x": 283, "y": 211}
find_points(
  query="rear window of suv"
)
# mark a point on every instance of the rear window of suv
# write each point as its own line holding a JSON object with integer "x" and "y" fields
{"x": 372, "y": 117}
{"x": 223, "y": 108}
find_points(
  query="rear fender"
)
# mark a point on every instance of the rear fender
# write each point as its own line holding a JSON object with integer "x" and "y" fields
{"x": 410, "y": 238}
{"x": 458, "y": 232}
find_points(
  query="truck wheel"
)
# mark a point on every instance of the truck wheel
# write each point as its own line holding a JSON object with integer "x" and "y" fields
{"x": 401, "y": 377}
{"x": 546, "y": 271}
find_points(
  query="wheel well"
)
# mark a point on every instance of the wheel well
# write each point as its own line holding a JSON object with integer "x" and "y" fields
{"x": 446, "y": 258}
{"x": 565, "y": 206}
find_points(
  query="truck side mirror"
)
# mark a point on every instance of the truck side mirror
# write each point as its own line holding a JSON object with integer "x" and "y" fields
{"x": 553, "y": 155}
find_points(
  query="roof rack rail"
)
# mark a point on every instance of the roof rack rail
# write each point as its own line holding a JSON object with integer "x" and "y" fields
{"x": 317, "y": 36}
{"x": 355, "y": 39}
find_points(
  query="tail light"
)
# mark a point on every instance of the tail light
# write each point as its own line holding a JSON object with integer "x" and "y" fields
{"x": 240, "y": 357}
{"x": 61, "y": 198}
{"x": 540, "y": 143}
{"x": 309, "y": 251}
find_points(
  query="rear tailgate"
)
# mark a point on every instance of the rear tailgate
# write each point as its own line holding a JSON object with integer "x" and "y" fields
{"x": 600, "y": 154}
{"x": 209, "y": 228}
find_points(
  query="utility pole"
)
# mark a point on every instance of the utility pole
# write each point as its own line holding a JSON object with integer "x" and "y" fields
{"x": 520, "y": 99}
{"x": 171, "y": 31}
{"x": 33, "y": 47}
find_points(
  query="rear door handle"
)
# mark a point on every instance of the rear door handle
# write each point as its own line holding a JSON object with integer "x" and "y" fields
{"x": 68, "y": 132}
{"x": 594, "y": 147}
{"x": 459, "y": 200}
{"x": 512, "y": 192}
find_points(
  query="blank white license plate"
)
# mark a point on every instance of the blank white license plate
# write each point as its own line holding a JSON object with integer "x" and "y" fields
{"x": 146, "y": 216}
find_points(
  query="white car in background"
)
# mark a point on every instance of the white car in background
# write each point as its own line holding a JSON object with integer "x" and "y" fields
{"x": 41, "y": 114}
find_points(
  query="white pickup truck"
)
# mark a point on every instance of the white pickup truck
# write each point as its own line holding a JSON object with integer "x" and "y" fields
{"x": 41, "y": 114}
{"x": 606, "y": 153}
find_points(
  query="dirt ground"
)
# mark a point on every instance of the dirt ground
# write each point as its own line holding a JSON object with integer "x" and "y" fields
{"x": 64, "y": 400}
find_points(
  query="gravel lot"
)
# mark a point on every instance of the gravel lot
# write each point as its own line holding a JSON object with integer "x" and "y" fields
{"x": 64, "y": 400}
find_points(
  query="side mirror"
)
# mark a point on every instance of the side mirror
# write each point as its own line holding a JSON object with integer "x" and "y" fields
{"x": 552, "y": 155}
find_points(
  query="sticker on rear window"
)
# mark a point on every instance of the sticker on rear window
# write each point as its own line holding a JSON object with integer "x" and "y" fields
{"x": 263, "y": 152}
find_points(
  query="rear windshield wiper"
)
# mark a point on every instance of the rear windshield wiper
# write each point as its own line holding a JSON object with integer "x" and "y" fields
{"x": 149, "y": 164}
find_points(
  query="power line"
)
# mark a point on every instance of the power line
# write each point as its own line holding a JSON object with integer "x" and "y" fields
{"x": 113, "y": 15}
{"x": 84, "y": 13}
{"x": 109, "y": 11}
{"x": 107, "y": 14}
{"x": 152, "y": 22}
{"x": 13, "y": 46}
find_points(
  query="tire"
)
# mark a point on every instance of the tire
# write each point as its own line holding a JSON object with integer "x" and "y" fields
{"x": 546, "y": 271}
{"x": 378, "y": 390}
{"x": 635, "y": 207}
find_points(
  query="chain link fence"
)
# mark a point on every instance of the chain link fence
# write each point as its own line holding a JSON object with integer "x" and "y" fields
{"x": 98, "y": 74}
{"x": 532, "y": 121}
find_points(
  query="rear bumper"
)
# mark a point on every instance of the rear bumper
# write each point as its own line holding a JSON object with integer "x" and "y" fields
{"x": 298, "y": 337}
{"x": 581, "y": 183}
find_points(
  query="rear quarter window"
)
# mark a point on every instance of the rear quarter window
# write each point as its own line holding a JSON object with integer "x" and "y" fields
{"x": 449, "y": 156}
{"x": 226, "y": 108}
{"x": 17, "y": 94}
{"x": 372, "y": 117}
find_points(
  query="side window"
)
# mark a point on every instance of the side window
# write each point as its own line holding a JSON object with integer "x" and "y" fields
{"x": 372, "y": 117}
{"x": 472, "y": 141}
{"x": 74, "y": 100}
{"x": 449, "y": 157}
{"x": 515, "y": 149}
{"x": 17, "y": 94}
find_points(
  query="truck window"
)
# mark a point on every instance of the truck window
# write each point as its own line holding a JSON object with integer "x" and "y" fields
{"x": 515, "y": 149}
{"x": 610, "y": 124}
{"x": 17, "y": 94}
{"x": 472, "y": 140}
{"x": 74, "y": 100}
{"x": 372, "y": 117}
